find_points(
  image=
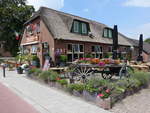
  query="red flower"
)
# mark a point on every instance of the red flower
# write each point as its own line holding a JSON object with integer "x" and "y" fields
{"x": 107, "y": 91}
{"x": 100, "y": 95}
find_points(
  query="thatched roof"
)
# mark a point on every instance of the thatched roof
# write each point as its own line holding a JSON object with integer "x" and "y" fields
{"x": 60, "y": 23}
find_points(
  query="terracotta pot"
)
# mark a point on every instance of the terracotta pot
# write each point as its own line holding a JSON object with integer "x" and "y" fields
{"x": 104, "y": 103}
{"x": 116, "y": 61}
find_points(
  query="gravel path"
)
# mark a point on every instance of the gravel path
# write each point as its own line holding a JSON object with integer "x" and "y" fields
{"x": 137, "y": 103}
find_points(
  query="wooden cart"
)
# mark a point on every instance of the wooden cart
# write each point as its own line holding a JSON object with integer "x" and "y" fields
{"x": 83, "y": 71}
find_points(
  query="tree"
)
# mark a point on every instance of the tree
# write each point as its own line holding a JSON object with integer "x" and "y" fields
{"x": 13, "y": 14}
{"x": 147, "y": 40}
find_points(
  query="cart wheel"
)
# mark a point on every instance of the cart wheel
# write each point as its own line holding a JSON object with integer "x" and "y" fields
{"x": 126, "y": 71}
{"x": 106, "y": 73}
{"x": 81, "y": 73}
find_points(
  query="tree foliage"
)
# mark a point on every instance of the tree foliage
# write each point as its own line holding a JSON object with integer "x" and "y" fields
{"x": 13, "y": 14}
{"x": 147, "y": 40}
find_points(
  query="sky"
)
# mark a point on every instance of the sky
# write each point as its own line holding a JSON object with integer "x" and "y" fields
{"x": 131, "y": 16}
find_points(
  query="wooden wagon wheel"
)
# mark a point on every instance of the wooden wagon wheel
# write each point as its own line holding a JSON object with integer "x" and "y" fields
{"x": 81, "y": 73}
{"x": 125, "y": 71}
{"x": 106, "y": 73}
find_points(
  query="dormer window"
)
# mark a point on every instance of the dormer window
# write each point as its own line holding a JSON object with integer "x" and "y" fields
{"x": 107, "y": 33}
{"x": 84, "y": 28}
{"x": 80, "y": 27}
{"x": 76, "y": 26}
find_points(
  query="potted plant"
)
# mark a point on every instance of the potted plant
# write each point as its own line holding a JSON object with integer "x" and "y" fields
{"x": 103, "y": 98}
{"x": 19, "y": 70}
{"x": 76, "y": 89}
{"x": 63, "y": 60}
{"x": 61, "y": 83}
{"x": 35, "y": 61}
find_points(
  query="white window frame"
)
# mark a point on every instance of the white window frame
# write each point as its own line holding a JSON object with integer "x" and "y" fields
{"x": 110, "y": 33}
{"x": 78, "y": 52}
{"x": 34, "y": 49}
{"x": 99, "y": 53}
{"x": 76, "y": 27}
{"x": 84, "y": 28}
{"x": 105, "y": 32}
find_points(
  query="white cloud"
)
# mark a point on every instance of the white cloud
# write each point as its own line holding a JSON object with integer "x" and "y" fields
{"x": 141, "y": 29}
{"x": 137, "y": 3}
{"x": 55, "y": 4}
{"x": 86, "y": 10}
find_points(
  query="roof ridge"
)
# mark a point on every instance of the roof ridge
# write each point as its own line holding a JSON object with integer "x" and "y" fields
{"x": 68, "y": 14}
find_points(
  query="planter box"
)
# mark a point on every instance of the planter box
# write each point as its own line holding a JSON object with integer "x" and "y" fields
{"x": 58, "y": 85}
{"x": 51, "y": 83}
{"x": 76, "y": 93}
{"x": 104, "y": 103}
{"x": 89, "y": 97}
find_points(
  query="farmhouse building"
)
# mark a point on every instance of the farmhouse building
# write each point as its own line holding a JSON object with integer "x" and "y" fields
{"x": 53, "y": 32}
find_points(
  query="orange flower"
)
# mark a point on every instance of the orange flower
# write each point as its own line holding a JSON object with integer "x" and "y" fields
{"x": 95, "y": 61}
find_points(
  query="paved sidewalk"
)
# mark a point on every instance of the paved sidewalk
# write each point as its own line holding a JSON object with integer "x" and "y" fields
{"x": 11, "y": 103}
{"x": 45, "y": 99}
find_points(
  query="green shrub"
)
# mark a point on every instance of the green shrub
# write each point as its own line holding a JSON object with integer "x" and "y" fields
{"x": 31, "y": 71}
{"x": 143, "y": 77}
{"x": 77, "y": 87}
{"x": 95, "y": 82}
{"x": 45, "y": 75}
{"x": 63, "y": 58}
{"x": 51, "y": 75}
{"x": 134, "y": 83}
{"x": 62, "y": 82}
{"x": 88, "y": 55}
{"x": 37, "y": 71}
{"x": 91, "y": 89}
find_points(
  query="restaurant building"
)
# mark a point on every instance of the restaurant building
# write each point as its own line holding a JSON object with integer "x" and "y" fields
{"x": 53, "y": 32}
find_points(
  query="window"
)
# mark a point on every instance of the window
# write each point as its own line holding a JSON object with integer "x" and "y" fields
{"x": 80, "y": 27}
{"x": 110, "y": 49}
{"x": 37, "y": 28}
{"x": 105, "y": 32}
{"x": 97, "y": 51}
{"x": 75, "y": 51}
{"x": 34, "y": 49}
{"x": 84, "y": 28}
{"x": 76, "y": 27}
{"x": 108, "y": 33}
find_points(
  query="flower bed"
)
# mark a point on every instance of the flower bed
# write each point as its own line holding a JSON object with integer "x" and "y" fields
{"x": 100, "y": 62}
{"x": 104, "y": 93}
